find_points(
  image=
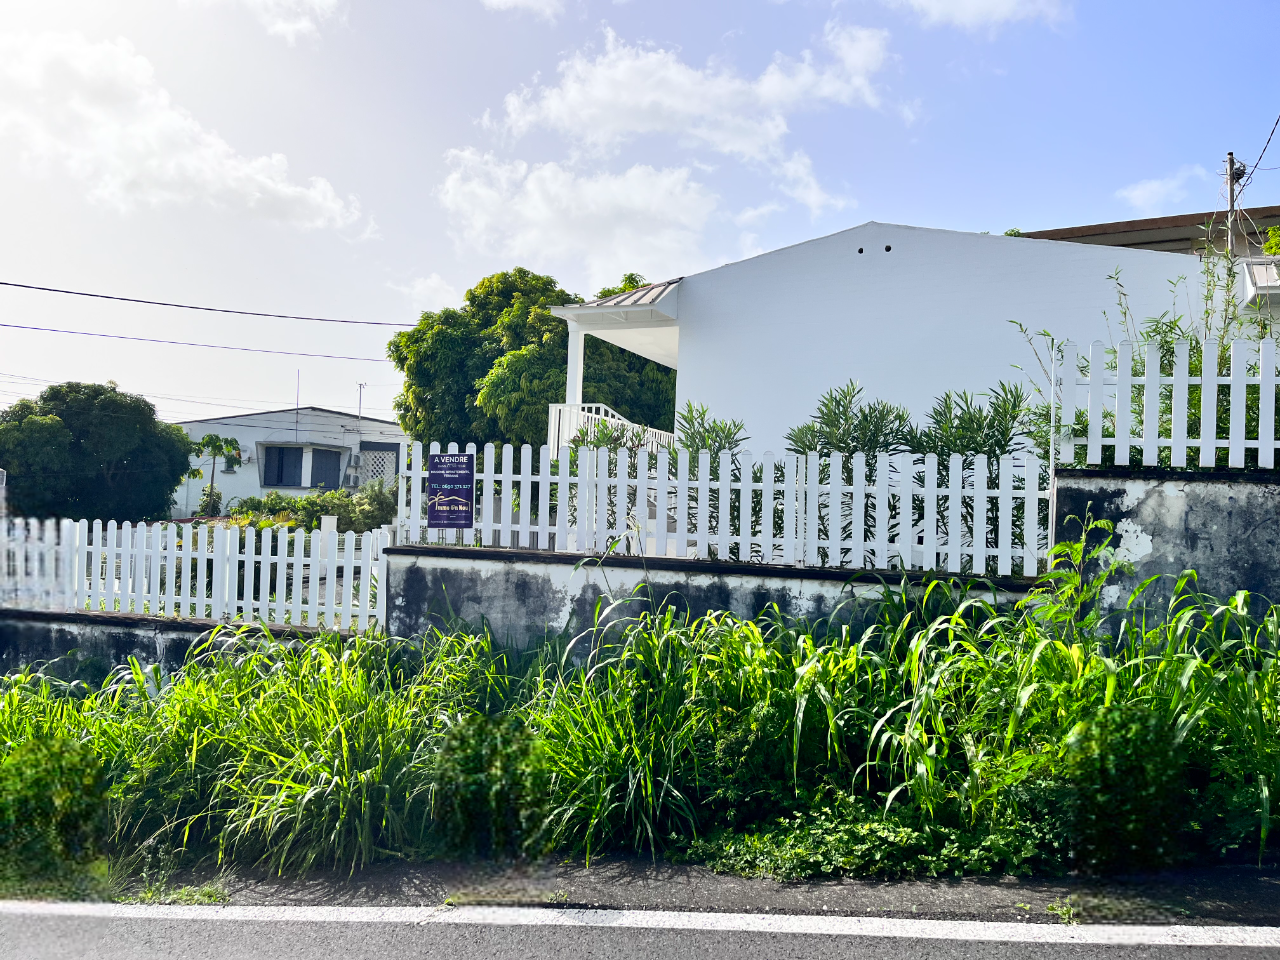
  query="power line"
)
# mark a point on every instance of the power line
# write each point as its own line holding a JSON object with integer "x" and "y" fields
{"x": 187, "y": 306}
{"x": 203, "y": 346}
{"x": 1264, "y": 151}
{"x": 198, "y": 399}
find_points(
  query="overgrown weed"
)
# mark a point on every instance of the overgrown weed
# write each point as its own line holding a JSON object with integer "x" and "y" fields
{"x": 930, "y": 731}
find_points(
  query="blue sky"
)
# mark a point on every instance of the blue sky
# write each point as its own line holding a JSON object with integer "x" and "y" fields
{"x": 369, "y": 160}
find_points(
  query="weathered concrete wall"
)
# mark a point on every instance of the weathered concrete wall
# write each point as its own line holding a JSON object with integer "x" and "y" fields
{"x": 1224, "y": 525}
{"x": 525, "y": 595}
{"x": 100, "y": 641}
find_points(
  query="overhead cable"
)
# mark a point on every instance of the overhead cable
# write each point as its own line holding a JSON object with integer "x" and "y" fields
{"x": 187, "y": 306}
{"x": 202, "y": 346}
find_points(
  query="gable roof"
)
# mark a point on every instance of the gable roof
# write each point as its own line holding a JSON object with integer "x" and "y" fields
{"x": 259, "y": 413}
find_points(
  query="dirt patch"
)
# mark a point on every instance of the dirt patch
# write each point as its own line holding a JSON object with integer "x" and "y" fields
{"x": 1224, "y": 895}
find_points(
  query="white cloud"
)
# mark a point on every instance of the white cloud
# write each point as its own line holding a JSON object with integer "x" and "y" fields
{"x": 545, "y": 214}
{"x": 544, "y": 8}
{"x": 983, "y": 13}
{"x": 430, "y": 293}
{"x": 96, "y": 111}
{"x": 1151, "y": 197}
{"x": 628, "y": 91}
{"x": 753, "y": 215}
{"x": 293, "y": 18}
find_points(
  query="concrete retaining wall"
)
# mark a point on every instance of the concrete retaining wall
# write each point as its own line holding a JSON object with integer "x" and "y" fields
{"x": 100, "y": 641}
{"x": 525, "y": 595}
{"x": 1224, "y": 525}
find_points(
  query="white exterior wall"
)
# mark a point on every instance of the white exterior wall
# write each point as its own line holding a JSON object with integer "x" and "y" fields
{"x": 762, "y": 339}
{"x": 316, "y": 428}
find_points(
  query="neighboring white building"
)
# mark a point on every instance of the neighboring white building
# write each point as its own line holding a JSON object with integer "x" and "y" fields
{"x": 908, "y": 312}
{"x": 295, "y": 451}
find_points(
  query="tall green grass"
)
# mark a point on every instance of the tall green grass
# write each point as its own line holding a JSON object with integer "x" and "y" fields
{"x": 928, "y": 731}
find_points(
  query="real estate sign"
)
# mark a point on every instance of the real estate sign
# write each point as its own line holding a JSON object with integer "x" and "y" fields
{"x": 451, "y": 490}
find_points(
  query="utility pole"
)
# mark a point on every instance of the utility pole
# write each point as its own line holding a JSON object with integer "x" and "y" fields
{"x": 1231, "y": 204}
{"x": 1235, "y": 173}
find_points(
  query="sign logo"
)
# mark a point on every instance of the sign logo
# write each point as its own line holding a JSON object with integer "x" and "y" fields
{"x": 451, "y": 491}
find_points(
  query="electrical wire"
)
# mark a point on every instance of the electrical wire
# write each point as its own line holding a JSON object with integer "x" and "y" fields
{"x": 1261, "y": 155}
{"x": 203, "y": 346}
{"x": 187, "y": 306}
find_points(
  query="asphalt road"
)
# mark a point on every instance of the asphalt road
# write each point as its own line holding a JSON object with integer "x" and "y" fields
{"x": 108, "y": 932}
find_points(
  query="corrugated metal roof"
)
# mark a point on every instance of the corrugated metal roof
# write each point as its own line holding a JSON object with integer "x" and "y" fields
{"x": 640, "y": 297}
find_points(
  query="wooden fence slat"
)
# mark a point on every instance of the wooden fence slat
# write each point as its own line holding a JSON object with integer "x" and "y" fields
{"x": 1178, "y": 404}
{"x": 508, "y": 496}
{"x": 858, "y": 513}
{"x": 724, "y": 505}
{"x": 1209, "y": 404}
{"x": 1124, "y": 401}
{"x": 564, "y": 496}
{"x": 1068, "y": 373}
{"x": 1151, "y": 388}
{"x": 1097, "y": 401}
{"x": 1267, "y": 404}
{"x": 704, "y": 504}
{"x": 1241, "y": 354}
{"x": 544, "y": 497}
{"x": 1004, "y": 535}
{"x": 881, "y": 561}
{"x": 1031, "y": 516}
{"x": 981, "y": 504}
{"x": 661, "y": 498}
{"x": 930, "y": 545}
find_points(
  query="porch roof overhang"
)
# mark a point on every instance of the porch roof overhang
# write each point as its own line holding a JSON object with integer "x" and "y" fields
{"x": 644, "y": 321}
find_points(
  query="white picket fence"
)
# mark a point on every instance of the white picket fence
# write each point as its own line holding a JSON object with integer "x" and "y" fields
{"x": 276, "y": 575}
{"x": 1158, "y": 412}
{"x": 961, "y": 516}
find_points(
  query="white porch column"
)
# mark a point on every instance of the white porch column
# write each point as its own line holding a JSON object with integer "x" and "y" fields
{"x": 573, "y": 385}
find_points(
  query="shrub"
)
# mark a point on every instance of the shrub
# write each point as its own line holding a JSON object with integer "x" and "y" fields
{"x": 848, "y": 837}
{"x": 491, "y": 784}
{"x": 1128, "y": 797}
{"x": 53, "y": 805}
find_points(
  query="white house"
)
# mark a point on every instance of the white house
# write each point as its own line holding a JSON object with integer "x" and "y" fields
{"x": 296, "y": 451}
{"x": 908, "y": 312}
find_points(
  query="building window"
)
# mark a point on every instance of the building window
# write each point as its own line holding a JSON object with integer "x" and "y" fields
{"x": 282, "y": 467}
{"x": 326, "y": 469}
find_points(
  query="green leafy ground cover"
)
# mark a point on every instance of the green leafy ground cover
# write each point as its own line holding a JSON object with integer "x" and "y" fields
{"x": 926, "y": 733}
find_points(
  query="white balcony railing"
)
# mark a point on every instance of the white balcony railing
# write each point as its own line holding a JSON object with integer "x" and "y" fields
{"x": 564, "y": 420}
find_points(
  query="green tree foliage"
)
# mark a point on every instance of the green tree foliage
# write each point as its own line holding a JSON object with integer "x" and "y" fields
{"x": 89, "y": 451}
{"x": 215, "y": 447}
{"x": 1272, "y": 247}
{"x": 488, "y": 371}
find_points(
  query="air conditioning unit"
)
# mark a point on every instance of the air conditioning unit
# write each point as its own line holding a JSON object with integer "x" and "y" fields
{"x": 352, "y": 480}
{"x": 356, "y": 460}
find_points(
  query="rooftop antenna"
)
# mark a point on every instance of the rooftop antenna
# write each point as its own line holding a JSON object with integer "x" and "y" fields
{"x": 297, "y": 404}
{"x": 360, "y": 402}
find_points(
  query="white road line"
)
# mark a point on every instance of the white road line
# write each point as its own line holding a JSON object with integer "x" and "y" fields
{"x": 966, "y": 930}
